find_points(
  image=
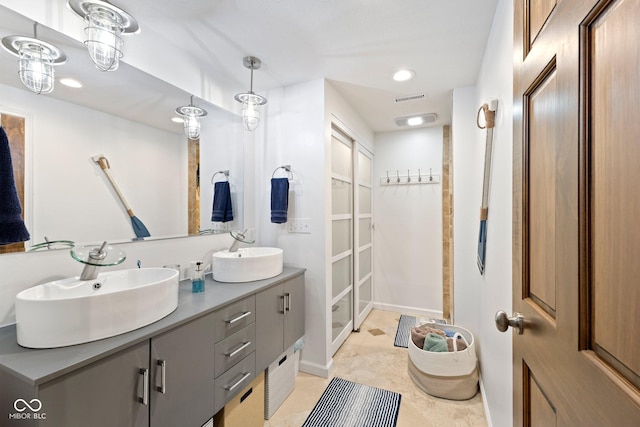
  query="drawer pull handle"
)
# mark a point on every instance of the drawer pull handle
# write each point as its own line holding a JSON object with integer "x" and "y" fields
{"x": 245, "y": 375}
{"x": 235, "y": 319}
{"x": 162, "y": 388}
{"x": 244, "y": 345}
{"x": 145, "y": 386}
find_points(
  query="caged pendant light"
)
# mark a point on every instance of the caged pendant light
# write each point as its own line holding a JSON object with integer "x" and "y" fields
{"x": 250, "y": 100}
{"x": 191, "y": 117}
{"x": 36, "y": 60}
{"x": 105, "y": 25}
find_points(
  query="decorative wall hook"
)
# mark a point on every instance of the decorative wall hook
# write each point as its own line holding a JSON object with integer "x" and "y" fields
{"x": 388, "y": 180}
{"x": 398, "y": 175}
{"x": 419, "y": 176}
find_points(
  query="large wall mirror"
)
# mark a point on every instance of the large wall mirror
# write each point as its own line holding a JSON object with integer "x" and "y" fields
{"x": 125, "y": 116}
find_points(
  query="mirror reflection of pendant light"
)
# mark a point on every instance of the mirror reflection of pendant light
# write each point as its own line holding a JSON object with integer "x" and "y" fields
{"x": 105, "y": 24}
{"x": 250, "y": 100}
{"x": 36, "y": 60}
{"x": 191, "y": 117}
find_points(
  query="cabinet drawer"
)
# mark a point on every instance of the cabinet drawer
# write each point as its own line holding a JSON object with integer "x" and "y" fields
{"x": 233, "y": 349}
{"x": 234, "y": 380}
{"x": 234, "y": 317}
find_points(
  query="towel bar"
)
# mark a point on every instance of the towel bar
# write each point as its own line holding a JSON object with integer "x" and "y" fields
{"x": 225, "y": 173}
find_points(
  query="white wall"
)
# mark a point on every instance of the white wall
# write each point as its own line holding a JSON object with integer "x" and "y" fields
{"x": 477, "y": 297}
{"x": 292, "y": 134}
{"x": 408, "y": 223}
{"x": 65, "y": 188}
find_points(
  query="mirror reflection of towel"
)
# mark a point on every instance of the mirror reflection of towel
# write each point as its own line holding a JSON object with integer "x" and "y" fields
{"x": 12, "y": 228}
{"x": 222, "y": 210}
{"x": 279, "y": 200}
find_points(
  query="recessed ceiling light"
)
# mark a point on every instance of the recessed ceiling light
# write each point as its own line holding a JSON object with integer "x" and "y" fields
{"x": 403, "y": 75}
{"x": 177, "y": 120}
{"x": 69, "y": 82}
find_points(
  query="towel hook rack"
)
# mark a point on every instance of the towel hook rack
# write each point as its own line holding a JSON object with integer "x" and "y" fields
{"x": 287, "y": 168}
{"x": 225, "y": 173}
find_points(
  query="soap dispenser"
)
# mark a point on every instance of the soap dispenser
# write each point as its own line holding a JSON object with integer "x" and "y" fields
{"x": 197, "y": 277}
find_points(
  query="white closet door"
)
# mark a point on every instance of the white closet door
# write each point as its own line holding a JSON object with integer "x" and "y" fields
{"x": 363, "y": 235}
{"x": 342, "y": 259}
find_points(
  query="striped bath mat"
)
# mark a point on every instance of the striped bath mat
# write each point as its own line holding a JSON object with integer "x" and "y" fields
{"x": 348, "y": 404}
{"x": 406, "y": 323}
{"x": 404, "y": 330}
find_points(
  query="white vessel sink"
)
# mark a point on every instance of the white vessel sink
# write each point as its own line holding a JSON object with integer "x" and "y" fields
{"x": 71, "y": 311}
{"x": 247, "y": 264}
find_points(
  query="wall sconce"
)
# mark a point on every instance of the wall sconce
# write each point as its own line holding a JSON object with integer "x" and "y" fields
{"x": 251, "y": 101}
{"x": 36, "y": 60}
{"x": 105, "y": 24}
{"x": 191, "y": 117}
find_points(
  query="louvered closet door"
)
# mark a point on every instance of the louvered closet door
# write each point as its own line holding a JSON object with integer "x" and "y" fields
{"x": 342, "y": 256}
{"x": 363, "y": 235}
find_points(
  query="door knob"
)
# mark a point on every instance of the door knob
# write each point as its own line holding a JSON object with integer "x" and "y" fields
{"x": 503, "y": 321}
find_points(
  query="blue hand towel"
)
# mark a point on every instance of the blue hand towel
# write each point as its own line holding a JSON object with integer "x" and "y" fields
{"x": 222, "y": 210}
{"x": 12, "y": 228}
{"x": 279, "y": 200}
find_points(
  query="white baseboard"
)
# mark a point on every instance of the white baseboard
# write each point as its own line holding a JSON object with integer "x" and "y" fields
{"x": 484, "y": 403}
{"x": 408, "y": 310}
{"x": 315, "y": 369}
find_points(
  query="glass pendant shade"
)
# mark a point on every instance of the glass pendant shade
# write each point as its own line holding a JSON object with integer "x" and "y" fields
{"x": 103, "y": 39}
{"x": 191, "y": 118}
{"x": 36, "y": 60}
{"x": 250, "y": 114}
{"x": 35, "y": 67}
{"x": 192, "y": 127}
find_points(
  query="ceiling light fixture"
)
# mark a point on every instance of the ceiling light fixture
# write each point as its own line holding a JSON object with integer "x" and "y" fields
{"x": 36, "y": 60}
{"x": 69, "y": 82}
{"x": 250, "y": 100}
{"x": 403, "y": 75}
{"x": 416, "y": 120}
{"x": 191, "y": 116}
{"x": 105, "y": 24}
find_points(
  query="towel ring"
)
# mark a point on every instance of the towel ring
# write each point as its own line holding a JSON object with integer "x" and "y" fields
{"x": 225, "y": 173}
{"x": 287, "y": 168}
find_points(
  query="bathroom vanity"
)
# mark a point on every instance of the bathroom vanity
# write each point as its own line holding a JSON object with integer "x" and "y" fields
{"x": 180, "y": 370}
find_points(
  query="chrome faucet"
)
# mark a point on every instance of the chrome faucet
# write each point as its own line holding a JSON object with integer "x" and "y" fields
{"x": 90, "y": 270}
{"x": 238, "y": 238}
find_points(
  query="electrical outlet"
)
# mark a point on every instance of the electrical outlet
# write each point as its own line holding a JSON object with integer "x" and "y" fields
{"x": 299, "y": 225}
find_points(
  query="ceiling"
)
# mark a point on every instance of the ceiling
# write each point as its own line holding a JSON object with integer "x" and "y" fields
{"x": 355, "y": 44}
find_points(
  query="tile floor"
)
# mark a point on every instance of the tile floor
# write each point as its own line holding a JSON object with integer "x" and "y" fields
{"x": 369, "y": 357}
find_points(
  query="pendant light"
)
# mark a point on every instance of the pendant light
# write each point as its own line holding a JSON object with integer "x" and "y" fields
{"x": 105, "y": 24}
{"x": 36, "y": 60}
{"x": 250, "y": 100}
{"x": 191, "y": 117}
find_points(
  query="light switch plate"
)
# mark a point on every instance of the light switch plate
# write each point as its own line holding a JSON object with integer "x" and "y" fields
{"x": 299, "y": 225}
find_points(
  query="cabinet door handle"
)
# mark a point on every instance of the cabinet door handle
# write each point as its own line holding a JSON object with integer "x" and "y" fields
{"x": 288, "y": 297}
{"x": 244, "y": 345}
{"x": 245, "y": 375}
{"x": 145, "y": 386}
{"x": 235, "y": 319}
{"x": 284, "y": 304}
{"x": 162, "y": 388}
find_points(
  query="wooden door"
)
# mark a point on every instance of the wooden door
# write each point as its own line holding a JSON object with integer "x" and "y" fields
{"x": 576, "y": 243}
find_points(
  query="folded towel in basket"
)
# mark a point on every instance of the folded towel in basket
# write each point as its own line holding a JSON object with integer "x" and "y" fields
{"x": 12, "y": 228}
{"x": 279, "y": 200}
{"x": 435, "y": 342}
{"x": 419, "y": 333}
{"x": 222, "y": 210}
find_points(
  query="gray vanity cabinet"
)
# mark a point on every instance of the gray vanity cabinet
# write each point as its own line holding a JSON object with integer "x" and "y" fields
{"x": 279, "y": 320}
{"x": 106, "y": 393}
{"x": 182, "y": 375}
